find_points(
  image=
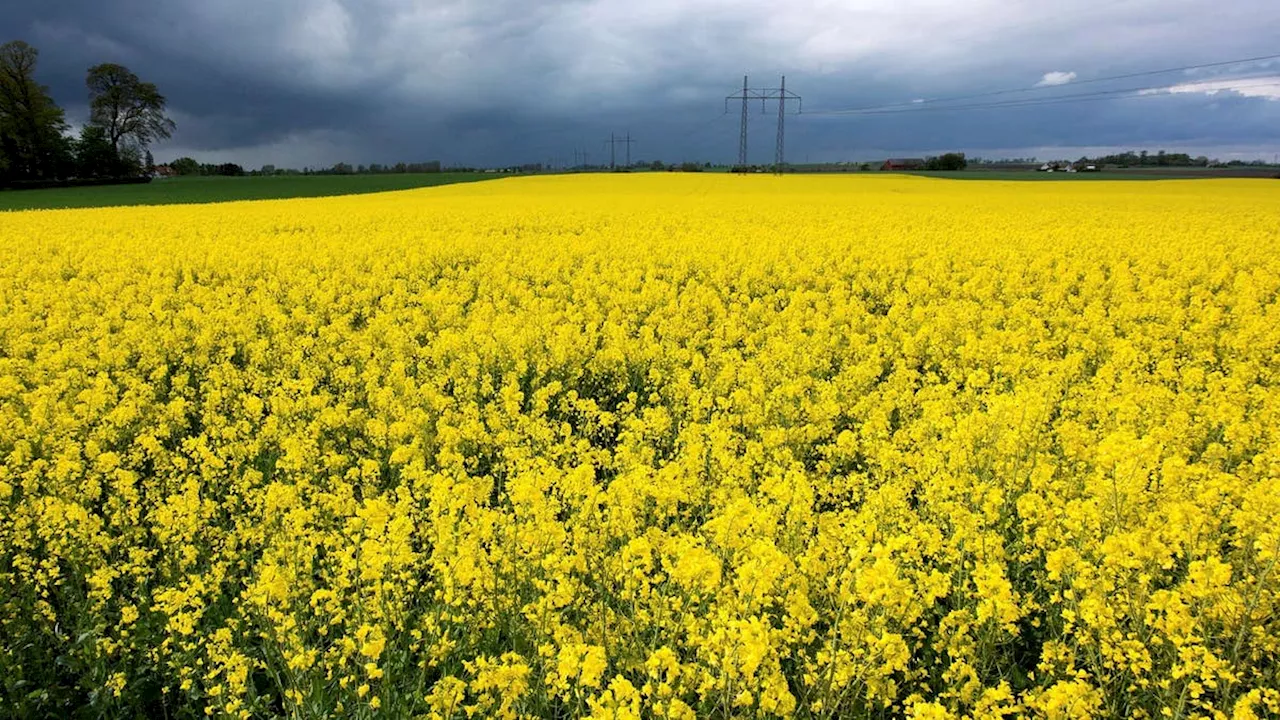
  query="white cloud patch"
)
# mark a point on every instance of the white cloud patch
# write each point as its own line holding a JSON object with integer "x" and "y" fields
{"x": 1057, "y": 77}
{"x": 320, "y": 39}
{"x": 1257, "y": 87}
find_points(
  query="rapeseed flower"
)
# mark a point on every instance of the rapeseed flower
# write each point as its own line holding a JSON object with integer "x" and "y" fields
{"x": 647, "y": 446}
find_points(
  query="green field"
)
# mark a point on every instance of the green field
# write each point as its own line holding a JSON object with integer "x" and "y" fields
{"x": 1031, "y": 175}
{"x": 223, "y": 189}
{"x": 1143, "y": 173}
{"x": 988, "y": 172}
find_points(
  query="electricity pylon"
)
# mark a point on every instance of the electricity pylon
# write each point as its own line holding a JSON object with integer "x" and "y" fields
{"x": 764, "y": 95}
{"x": 613, "y": 142}
{"x": 745, "y": 96}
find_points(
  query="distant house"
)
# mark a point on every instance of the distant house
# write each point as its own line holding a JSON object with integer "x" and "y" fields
{"x": 163, "y": 171}
{"x": 903, "y": 164}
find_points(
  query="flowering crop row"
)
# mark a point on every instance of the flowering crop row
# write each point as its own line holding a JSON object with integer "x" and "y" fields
{"x": 646, "y": 446}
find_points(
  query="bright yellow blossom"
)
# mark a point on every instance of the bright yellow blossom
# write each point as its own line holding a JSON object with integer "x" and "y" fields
{"x": 647, "y": 445}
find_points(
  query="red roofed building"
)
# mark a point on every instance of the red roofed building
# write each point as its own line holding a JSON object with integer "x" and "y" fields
{"x": 903, "y": 164}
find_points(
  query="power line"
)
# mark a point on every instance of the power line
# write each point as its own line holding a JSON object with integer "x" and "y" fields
{"x": 936, "y": 104}
{"x": 1119, "y": 94}
{"x": 703, "y": 126}
{"x": 613, "y": 142}
{"x": 764, "y": 95}
{"x": 1010, "y": 91}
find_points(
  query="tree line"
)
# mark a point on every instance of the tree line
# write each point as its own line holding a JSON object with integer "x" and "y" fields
{"x": 1146, "y": 159}
{"x": 1131, "y": 158}
{"x": 126, "y": 115}
{"x": 186, "y": 166}
{"x": 1167, "y": 159}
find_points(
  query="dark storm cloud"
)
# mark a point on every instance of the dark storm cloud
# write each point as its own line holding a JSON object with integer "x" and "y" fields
{"x": 493, "y": 81}
{"x": 221, "y": 99}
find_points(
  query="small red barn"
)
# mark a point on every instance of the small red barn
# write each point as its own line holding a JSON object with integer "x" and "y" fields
{"x": 903, "y": 164}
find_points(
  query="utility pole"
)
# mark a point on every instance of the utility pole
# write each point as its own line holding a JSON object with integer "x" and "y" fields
{"x": 782, "y": 95}
{"x": 742, "y": 134}
{"x": 745, "y": 96}
{"x": 782, "y": 117}
{"x": 613, "y": 142}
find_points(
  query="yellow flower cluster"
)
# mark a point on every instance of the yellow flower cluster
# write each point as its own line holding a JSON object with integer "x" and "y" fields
{"x": 647, "y": 446}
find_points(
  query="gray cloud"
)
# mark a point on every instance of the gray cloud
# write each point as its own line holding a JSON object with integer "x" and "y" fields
{"x": 312, "y": 82}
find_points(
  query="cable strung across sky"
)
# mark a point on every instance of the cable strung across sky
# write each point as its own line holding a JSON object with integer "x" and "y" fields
{"x": 1217, "y": 83}
{"x": 914, "y": 104}
{"x": 1122, "y": 94}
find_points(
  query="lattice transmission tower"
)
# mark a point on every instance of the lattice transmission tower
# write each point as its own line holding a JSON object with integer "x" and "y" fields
{"x": 781, "y": 94}
{"x": 613, "y": 142}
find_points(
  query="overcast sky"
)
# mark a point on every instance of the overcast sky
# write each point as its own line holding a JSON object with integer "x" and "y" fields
{"x": 486, "y": 82}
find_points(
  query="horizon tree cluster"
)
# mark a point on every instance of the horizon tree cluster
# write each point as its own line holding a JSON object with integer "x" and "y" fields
{"x": 126, "y": 115}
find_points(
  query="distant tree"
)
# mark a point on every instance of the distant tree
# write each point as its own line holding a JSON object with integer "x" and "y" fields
{"x": 1161, "y": 158}
{"x": 341, "y": 169}
{"x": 947, "y": 161}
{"x": 129, "y": 110}
{"x": 656, "y": 165}
{"x": 267, "y": 170}
{"x": 431, "y": 166}
{"x": 229, "y": 170}
{"x": 94, "y": 156}
{"x": 185, "y": 166}
{"x": 32, "y": 144}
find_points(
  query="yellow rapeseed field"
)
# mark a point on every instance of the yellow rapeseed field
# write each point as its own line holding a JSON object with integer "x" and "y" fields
{"x": 650, "y": 446}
